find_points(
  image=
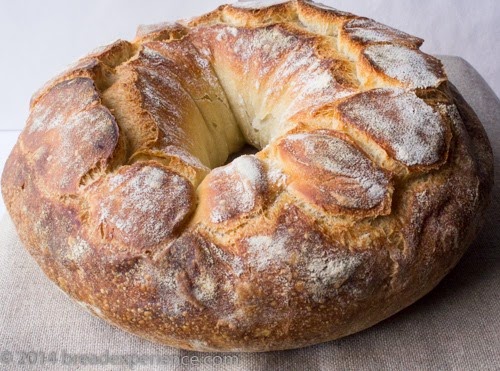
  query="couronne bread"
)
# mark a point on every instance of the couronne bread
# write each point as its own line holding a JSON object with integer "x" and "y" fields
{"x": 370, "y": 181}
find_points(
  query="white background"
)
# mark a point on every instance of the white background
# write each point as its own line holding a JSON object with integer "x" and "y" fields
{"x": 40, "y": 38}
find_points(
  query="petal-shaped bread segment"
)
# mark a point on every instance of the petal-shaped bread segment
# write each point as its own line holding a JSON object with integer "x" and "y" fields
{"x": 233, "y": 190}
{"x": 365, "y": 30}
{"x": 97, "y": 66}
{"x": 404, "y": 66}
{"x": 321, "y": 18}
{"x": 251, "y": 13}
{"x": 404, "y": 125}
{"x": 164, "y": 31}
{"x": 70, "y": 133}
{"x": 327, "y": 169}
{"x": 141, "y": 205}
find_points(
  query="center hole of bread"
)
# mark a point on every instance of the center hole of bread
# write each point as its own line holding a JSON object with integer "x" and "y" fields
{"x": 247, "y": 149}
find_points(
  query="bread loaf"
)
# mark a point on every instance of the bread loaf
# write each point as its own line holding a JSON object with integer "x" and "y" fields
{"x": 370, "y": 178}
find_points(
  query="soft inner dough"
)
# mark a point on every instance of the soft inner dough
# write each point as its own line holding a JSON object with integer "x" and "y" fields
{"x": 370, "y": 181}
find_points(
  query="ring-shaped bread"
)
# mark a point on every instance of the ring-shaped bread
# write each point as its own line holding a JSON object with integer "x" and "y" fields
{"x": 370, "y": 182}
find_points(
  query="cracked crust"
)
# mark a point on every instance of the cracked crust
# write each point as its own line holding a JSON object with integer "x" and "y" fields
{"x": 369, "y": 186}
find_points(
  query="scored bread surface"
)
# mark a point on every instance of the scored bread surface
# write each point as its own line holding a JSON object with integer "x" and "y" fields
{"x": 370, "y": 182}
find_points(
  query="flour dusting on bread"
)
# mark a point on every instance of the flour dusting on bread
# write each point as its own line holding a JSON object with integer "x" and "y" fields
{"x": 409, "y": 66}
{"x": 370, "y": 178}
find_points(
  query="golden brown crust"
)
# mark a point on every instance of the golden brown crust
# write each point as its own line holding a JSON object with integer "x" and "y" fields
{"x": 160, "y": 32}
{"x": 370, "y": 185}
{"x": 233, "y": 192}
{"x": 320, "y": 18}
{"x": 364, "y": 31}
{"x": 404, "y": 125}
{"x": 82, "y": 136}
{"x": 97, "y": 66}
{"x": 326, "y": 169}
{"x": 240, "y": 15}
{"x": 399, "y": 65}
{"x": 141, "y": 205}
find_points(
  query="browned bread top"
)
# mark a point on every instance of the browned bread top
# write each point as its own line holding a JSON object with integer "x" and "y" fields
{"x": 370, "y": 181}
